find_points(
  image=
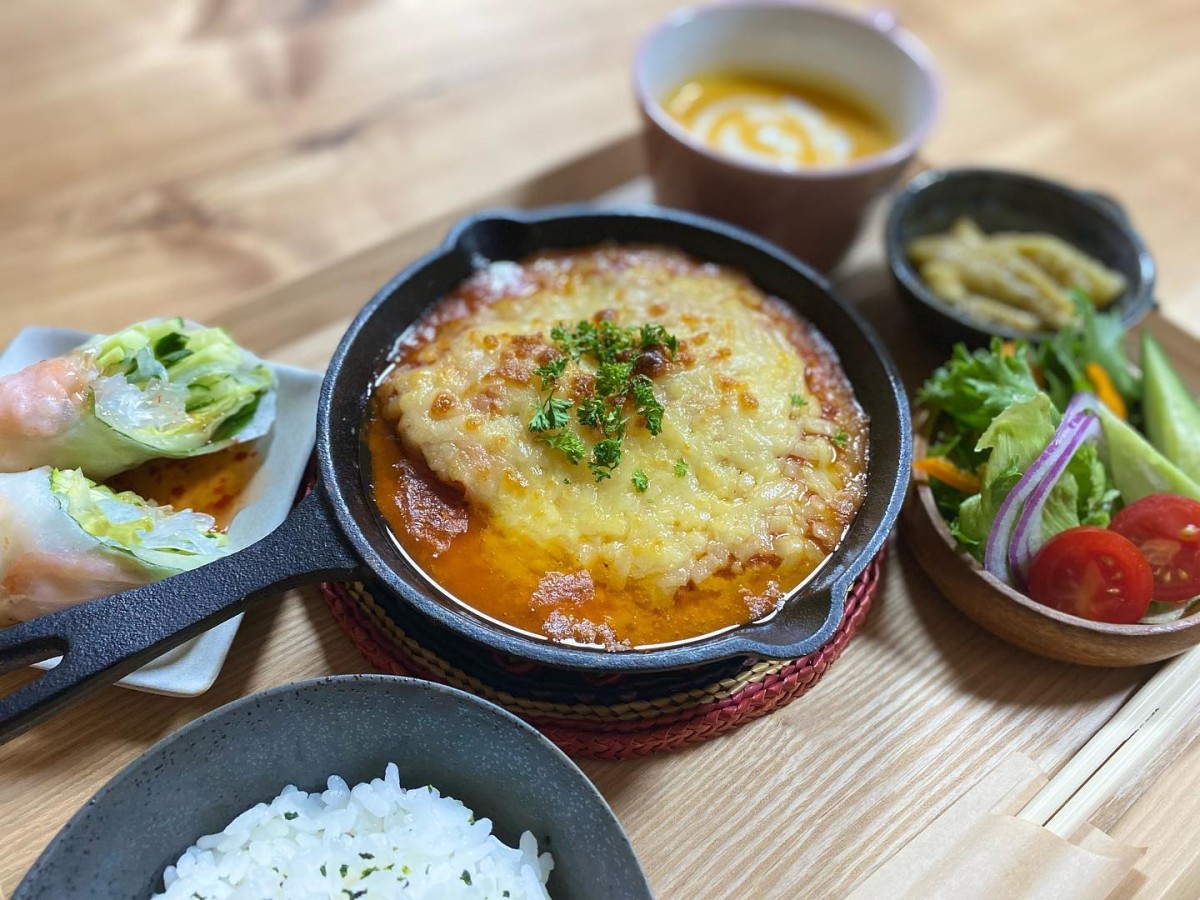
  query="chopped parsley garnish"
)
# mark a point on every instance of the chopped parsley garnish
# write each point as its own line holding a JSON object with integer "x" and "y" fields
{"x": 681, "y": 467}
{"x": 344, "y": 869}
{"x": 551, "y": 414}
{"x": 569, "y": 443}
{"x": 840, "y": 438}
{"x": 466, "y": 876}
{"x": 551, "y": 371}
{"x": 323, "y": 869}
{"x": 591, "y": 411}
{"x": 798, "y": 401}
{"x": 616, "y": 352}
{"x": 612, "y": 378}
{"x": 366, "y": 856}
{"x": 640, "y": 481}
{"x": 291, "y": 815}
{"x": 647, "y": 404}
{"x": 606, "y": 456}
{"x": 657, "y": 336}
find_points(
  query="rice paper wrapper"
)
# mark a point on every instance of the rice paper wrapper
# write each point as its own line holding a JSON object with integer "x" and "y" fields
{"x": 102, "y": 451}
{"x": 191, "y": 668}
{"x": 39, "y": 540}
{"x": 88, "y": 442}
{"x": 978, "y": 850}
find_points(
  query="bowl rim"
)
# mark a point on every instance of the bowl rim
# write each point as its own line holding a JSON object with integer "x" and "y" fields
{"x": 880, "y": 22}
{"x": 1089, "y": 203}
{"x": 122, "y": 780}
{"x": 920, "y": 483}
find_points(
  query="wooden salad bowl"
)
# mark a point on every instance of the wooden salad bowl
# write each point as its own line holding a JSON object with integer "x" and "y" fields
{"x": 1010, "y": 614}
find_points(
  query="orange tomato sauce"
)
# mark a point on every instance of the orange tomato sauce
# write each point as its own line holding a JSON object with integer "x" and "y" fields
{"x": 521, "y": 587}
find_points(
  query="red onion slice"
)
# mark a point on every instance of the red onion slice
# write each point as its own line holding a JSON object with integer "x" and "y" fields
{"x": 1017, "y": 528}
{"x": 1027, "y": 538}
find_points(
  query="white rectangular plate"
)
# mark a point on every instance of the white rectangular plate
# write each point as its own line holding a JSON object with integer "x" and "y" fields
{"x": 192, "y": 667}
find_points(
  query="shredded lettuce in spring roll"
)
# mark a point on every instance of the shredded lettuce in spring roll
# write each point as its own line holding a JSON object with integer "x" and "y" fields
{"x": 161, "y": 388}
{"x": 65, "y": 540}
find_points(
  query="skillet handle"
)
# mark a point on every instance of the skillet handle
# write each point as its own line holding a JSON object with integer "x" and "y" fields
{"x": 103, "y": 640}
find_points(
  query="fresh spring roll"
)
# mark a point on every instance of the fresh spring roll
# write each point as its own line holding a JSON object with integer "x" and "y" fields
{"x": 161, "y": 388}
{"x": 65, "y": 539}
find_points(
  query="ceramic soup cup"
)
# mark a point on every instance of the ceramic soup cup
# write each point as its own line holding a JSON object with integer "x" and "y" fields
{"x": 815, "y": 212}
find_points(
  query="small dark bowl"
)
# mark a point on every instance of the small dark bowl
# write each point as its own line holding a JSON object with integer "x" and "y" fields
{"x": 1009, "y": 201}
{"x": 195, "y": 781}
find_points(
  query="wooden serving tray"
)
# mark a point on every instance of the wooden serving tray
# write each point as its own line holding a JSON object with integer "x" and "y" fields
{"x": 802, "y": 803}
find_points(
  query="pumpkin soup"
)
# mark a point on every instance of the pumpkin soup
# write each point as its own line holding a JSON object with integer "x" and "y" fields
{"x": 791, "y": 125}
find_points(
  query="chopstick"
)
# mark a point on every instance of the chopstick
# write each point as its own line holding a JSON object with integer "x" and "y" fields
{"x": 1149, "y": 721}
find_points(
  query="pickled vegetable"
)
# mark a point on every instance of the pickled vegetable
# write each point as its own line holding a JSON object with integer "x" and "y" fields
{"x": 1026, "y": 282}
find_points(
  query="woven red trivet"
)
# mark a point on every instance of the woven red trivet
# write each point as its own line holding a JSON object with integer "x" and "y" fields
{"x": 607, "y": 718}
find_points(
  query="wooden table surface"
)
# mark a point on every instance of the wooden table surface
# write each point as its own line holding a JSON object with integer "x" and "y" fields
{"x": 265, "y": 164}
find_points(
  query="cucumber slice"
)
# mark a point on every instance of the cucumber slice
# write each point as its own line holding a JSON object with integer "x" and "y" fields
{"x": 1138, "y": 470}
{"x": 1172, "y": 416}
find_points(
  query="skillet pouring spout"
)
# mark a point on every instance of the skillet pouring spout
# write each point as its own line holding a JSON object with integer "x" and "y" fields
{"x": 106, "y": 639}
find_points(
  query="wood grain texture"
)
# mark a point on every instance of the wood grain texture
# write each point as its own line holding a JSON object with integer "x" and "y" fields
{"x": 921, "y": 704}
{"x": 199, "y": 152}
{"x": 267, "y": 164}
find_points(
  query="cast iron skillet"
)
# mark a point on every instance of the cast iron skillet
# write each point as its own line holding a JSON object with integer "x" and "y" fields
{"x": 335, "y": 532}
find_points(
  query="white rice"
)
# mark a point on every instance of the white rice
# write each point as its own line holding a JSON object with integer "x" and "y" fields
{"x": 374, "y": 840}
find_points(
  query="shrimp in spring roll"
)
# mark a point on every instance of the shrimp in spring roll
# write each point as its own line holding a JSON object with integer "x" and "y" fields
{"x": 65, "y": 540}
{"x": 161, "y": 388}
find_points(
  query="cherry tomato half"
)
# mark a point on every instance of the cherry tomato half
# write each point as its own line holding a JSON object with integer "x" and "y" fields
{"x": 1092, "y": 573}
{"x": 1166, "y": 529}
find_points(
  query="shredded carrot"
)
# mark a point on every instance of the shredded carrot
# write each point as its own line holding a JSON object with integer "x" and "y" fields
{"x": 1105, "y": 390}
{"x": 1009, "y": 348}
{"x": 948, "y": 473}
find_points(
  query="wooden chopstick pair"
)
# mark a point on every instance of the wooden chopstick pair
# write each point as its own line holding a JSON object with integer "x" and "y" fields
{"x": 1127, "y": 745}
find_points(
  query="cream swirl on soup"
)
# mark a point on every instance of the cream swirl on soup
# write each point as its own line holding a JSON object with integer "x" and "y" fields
{"x": 762, "y": 120}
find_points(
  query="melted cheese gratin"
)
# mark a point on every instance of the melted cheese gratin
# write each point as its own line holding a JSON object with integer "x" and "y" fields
{"x": 757, "y": 409}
